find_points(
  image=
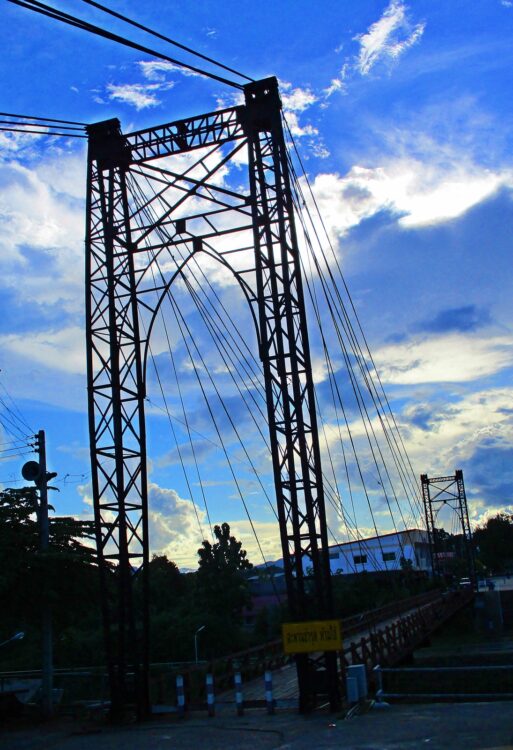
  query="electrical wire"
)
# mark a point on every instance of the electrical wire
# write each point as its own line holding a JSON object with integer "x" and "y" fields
{"x": 43, "y": 119}
{"x": 165, "y": 38}
{"x": 67, "y": 18}
{"x": 40, "y": 132}
{"x": 31, "y": 124}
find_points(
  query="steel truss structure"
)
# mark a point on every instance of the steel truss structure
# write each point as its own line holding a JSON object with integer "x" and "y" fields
{"x": 156, "y": 204}
{"x": 447, "y": 492}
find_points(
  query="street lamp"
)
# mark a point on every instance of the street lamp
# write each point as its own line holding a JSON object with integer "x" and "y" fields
{"x": 196, "y": 642}
{"x": 16, "y": 637}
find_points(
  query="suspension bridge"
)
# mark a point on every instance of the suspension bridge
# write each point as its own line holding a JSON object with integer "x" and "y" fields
{"x": 177, "y": 214}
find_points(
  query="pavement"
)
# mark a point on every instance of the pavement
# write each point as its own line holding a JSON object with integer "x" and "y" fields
{"x": 441, "y": 726}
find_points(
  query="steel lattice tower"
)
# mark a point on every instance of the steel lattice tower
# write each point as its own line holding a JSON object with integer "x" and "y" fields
{"x": 438, "y": 492}
{"x": 129, "y": 231}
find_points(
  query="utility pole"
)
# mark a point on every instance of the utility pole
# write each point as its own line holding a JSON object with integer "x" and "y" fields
{"x": 36, "y": 472}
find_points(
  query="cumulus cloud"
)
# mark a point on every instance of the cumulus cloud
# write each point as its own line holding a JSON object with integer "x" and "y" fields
{"x": 176, "y": 525}
{"x": 417, "y": 192}
{"x": 298, "y": 99}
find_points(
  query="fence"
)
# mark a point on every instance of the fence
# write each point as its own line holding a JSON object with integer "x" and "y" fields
{"x": 391, "y": 643}
{"x": 384, "y": 644}
{"x": 445, "y": 683}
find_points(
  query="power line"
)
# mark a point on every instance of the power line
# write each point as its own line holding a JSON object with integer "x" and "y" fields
{"x": 40, "y": 132}
{"x": 43, "y": 119}
{"x": 50, "y": 12}
{"x": 165, "y": 38}
{"x": 36, "y": 125}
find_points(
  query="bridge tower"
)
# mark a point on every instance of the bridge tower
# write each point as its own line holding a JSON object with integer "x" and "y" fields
{"x": 447, "y": 492}
{"x": 129, "y": 230}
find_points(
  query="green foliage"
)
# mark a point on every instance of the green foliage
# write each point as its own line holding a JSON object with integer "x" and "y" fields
{"x": 365, "y": 591}
{"x": 494, "y": 543}
{"x": 65, "y": 575}
{"x": 221, "y": 585}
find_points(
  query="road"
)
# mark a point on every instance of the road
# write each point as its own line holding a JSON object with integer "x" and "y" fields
{"x": 464, "y": 726}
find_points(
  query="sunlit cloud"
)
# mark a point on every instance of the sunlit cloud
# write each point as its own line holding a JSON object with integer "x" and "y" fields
{"x": 138, "y": 95}
{"x": 455, "y": 357}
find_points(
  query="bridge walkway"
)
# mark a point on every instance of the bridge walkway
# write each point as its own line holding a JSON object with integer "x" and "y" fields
{"x": 383, "y": 636}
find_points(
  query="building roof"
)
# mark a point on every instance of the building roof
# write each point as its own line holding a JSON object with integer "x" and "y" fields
{"x": 405, "y": 532}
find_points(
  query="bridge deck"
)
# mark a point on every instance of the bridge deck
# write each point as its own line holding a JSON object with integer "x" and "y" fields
{"x": 378, "y": 637}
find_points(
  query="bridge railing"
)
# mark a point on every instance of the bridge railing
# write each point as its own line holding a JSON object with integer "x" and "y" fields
{"x": 389, "y": 644}
{"x": 254, "y": 661}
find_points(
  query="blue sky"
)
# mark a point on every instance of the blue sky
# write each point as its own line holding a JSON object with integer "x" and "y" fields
{"x": 403, "y": 118}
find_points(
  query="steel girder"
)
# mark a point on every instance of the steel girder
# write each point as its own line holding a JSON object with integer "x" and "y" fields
{"x": 438, "y": 492}
{"x": 178, "y": 214}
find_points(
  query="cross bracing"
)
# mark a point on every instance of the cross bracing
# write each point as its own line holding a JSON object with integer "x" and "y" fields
{"x": 159, "y": 208}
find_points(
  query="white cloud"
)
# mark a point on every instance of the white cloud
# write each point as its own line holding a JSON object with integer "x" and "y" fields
{"x": 173, "y": 525}
{"x": 298, "y": 99}
{"x": 384, "y": 42}
{"x": 62, "y": 349}
{"x": 268, "y": 534}
{"x": 388, "y": 38}
{"x": 138, "y": 95}
{"x": 418, "y": 192}
{"x": 53, "y": 221}
{"x": 155, "y": 70}
{"x": 457, "y": 429}
{"x": 298, "y": 130}
{"x": 453, "y": 358}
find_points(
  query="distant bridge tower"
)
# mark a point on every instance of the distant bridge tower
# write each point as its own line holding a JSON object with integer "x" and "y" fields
{"x": 447, "y": 492}
{"x": 176, "y": 211}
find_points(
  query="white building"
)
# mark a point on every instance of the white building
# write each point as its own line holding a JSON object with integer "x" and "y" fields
{"x": 381, "y": 553}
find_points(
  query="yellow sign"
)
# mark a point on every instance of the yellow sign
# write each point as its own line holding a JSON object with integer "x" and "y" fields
{"x": 316, "y": 635}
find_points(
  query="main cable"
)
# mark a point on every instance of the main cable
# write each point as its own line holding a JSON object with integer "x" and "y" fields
{"x": 164, "y": 38}
{"x": 67, "y": 18}
{"x": 43, "y": 119}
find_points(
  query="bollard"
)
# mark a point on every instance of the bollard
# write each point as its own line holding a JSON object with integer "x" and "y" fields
{"x": 269, "y": 692}
{"x": 358, "y": 672}
{"x": 210, "y": 695}
{"x": 238, "y": 694}
{"x": 180, "y": 695}
{"x": 352, "y": 693}
{"x": 379, "y": 683}
{"x": 379, "y": 702}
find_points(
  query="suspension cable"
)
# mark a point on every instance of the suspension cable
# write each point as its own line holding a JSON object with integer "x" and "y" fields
{"x": 165, "y": 38}
{"x": 67, "y": 18}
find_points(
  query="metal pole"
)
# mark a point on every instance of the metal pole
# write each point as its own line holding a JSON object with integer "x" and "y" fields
{"x": 44, "y": 537}
{"x": 196, "y": 642}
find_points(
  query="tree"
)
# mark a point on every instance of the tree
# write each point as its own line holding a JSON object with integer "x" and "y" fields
{"x": 494, "y": 543}
{"x": 220, "y": 578}
{"x": 65, "y": 575}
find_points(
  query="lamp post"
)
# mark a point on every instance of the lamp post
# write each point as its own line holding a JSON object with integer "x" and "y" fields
{"x": 15, "y": 637}
{"x": 196, "y": 642}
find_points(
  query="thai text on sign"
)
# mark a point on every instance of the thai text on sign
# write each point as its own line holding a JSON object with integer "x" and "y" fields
{"x": 315, "y": 635}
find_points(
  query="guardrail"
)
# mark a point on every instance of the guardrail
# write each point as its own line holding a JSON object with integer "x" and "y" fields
{"x": 466, "y": 688}
{"x": 383, "y": 644}
{"x": 390, "y": 644}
